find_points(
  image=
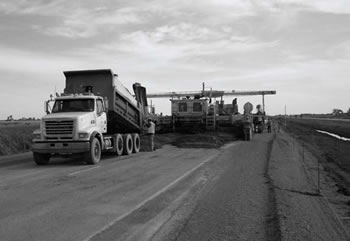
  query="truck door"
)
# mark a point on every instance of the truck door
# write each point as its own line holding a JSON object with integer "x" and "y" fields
{"x": 101, "y": 120}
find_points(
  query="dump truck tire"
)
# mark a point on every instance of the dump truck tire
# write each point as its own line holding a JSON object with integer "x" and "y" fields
{"x": 136, "y": 143}
{"x": 41, "y": 158}
{"x": 128, "y": 144}
{"x": 119, "y": 146}
{"x": 93, "y": 156}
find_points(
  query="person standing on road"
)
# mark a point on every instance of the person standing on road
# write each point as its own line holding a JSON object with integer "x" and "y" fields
{"x": 269, "y": 125}
{"x": 150, "y": 128}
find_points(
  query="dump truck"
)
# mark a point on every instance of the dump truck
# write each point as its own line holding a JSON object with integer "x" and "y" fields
{"x": 95, "y": 114}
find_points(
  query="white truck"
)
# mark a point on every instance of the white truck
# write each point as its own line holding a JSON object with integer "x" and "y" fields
{"x": 95, "y": 114}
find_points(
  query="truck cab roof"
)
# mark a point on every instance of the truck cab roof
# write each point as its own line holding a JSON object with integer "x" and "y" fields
{"x": 78, "y": 96}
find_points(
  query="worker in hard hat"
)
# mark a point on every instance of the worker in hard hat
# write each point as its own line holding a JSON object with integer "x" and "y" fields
{"x": 150, "y": 129}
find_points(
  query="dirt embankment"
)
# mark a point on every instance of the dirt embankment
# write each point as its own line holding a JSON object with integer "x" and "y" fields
{"x": 330, "y": 154}
{"x": 304, "y": 212}
{"x": 202, "y": 139}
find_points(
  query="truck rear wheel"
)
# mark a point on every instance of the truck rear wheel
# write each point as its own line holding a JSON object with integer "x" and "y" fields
{"x": 136, "y": 142}
{"x": 41, "y": 158}
{"x": 128, "y": 144}
{"x": 119, "y": 146}
{"x": 94, "y": 155}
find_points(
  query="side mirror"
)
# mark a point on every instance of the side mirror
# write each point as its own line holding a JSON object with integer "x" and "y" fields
{"x": 47, "y": 107}
{"x": 106, "y": 104}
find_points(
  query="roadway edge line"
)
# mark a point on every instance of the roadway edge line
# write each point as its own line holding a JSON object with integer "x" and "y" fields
{"x": 164, "y": 189}
{"x": 84, "y": 170}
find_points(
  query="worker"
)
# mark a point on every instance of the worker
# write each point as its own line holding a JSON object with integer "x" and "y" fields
{"x": 150, "y": 129}
{"x": 235, "y": 106}
{"x": 269, "y": 125}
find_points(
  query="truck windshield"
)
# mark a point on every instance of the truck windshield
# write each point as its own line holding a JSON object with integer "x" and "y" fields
{"x": 77, "y": 105}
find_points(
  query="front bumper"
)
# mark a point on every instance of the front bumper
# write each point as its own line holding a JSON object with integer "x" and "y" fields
{"x": 61, "y": 147}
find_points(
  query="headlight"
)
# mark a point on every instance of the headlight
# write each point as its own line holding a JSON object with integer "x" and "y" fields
{"x": 83, "y": 135}
{"x": 37, "y": 136}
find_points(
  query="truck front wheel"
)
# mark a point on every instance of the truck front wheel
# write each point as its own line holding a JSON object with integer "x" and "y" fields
{"x": 94, "y": 155}
{"x": 41, "y": 158}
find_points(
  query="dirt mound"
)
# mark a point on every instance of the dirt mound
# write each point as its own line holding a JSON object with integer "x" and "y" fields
{"x": 213, "y": 139}
{"x": 198, "y": 141}
{"x": 204, "y": 139}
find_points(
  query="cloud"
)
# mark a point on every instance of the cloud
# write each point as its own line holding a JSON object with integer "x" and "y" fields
{"x": 72, "y": 19}
{"x": 85, "y": 23}
{"x": 289, "y": 45}
{"x": 333, "y": 6}
{"x": 25, "y": 61}
{"x": 34, "y": 7}
{"x": 86, "y": 19}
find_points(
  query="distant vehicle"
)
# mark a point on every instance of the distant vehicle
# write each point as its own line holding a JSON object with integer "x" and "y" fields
{"x": 95, "y": 114}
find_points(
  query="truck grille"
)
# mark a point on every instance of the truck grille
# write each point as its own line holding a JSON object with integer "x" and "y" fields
{"x": 55, "y": 128}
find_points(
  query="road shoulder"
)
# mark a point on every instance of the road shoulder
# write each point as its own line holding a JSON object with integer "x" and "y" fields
{"x": 303, "y": 213}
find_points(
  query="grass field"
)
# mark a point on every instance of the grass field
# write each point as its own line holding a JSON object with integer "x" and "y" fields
{"x": 15, "y": 136}
{"x": 331, "y": 148}
{"x": 339, "y": 127}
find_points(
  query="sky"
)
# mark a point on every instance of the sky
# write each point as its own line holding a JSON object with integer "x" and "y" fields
{"x": 300, "y": 48}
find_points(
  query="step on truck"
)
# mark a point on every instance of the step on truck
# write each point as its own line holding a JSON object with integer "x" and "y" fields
{"x": 95, "y": 114}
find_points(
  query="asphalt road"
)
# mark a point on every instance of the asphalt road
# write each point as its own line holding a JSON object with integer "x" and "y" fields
{"x": 169, "y": 194}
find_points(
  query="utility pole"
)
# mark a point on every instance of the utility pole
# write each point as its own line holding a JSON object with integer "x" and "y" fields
{"x": 285, "y": 115}
{"x": 263, "y": 102}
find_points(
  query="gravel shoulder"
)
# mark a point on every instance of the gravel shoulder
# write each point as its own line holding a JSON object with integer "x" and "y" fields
{"x": 304, "y": 214}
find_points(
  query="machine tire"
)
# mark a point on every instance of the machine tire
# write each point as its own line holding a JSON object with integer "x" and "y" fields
{"x": 119, "y": 144}
{"x": 128, "y": 144}
{"x": 41, "y": 158}
{"x": 93, "y": 156}
{"x": 245, "y": 132}
{"x": 248, "y": 134}
{"x": 136, "y": 143}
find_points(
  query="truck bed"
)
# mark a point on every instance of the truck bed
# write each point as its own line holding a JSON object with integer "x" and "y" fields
{"x": 124, "y": 114}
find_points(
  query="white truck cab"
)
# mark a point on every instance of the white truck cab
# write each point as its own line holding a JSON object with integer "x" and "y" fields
{"x": 70, "y": 127}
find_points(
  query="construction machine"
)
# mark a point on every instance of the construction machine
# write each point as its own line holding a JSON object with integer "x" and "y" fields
{"x": 190, "y": 109}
